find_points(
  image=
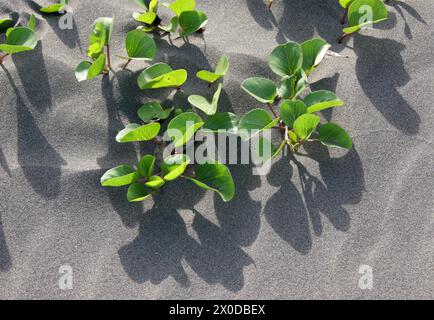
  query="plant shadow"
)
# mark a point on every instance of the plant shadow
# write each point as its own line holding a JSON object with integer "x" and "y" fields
{"x": 5, "y": 257}
{"x": 400, "y": 7}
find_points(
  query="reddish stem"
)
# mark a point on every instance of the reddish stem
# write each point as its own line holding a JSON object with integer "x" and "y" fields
{"x": 270, "y": 3}
{"x": 3, "y": 57}
{"x": 270, "y": 106}
{"x": 343, "y": 36}
{"x": 345, "y": 16}
{"x": 126, "y": 64}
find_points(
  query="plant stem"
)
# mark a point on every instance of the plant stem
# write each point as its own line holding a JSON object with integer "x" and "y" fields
{"x": 345, "y": 16}
{"x": 3, "y": 57}
{"x": 270, "y": 3}
{"x": 108, "y": 57}
{"x": 270, "y": 106}
{"x": 126, "y": 64}
{"x": 343, "y": 36}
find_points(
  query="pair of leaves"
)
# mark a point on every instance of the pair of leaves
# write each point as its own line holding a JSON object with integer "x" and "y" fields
{"x": 203, "y": 104}
{"x": 140, "y": 46}
{"x": 55, "y": 8}
{"x": 87, "y": 70}
{"x": 161, "y": 75}
{"x": 153, "y": 111}
{"x": 183, "y": 127}
{"x": 191, "y": 22}
{"x": 364, "y": 12}
{"x": 255, "y": 121}
{"x": 220, "y": 70}
{"x": 20, "y": 39}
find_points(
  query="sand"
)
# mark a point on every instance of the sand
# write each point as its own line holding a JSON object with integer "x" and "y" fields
{"x": 301, "y": 232}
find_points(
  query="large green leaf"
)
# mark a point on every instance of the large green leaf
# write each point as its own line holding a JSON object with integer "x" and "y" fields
{"x": 314, "y": 51}
{"x": 202, "y": 103}
{"x": 183, "y": 127}
{"x": 137, "y": 192}
{"x": 331, "y": 134}
{"x": 174, "y": 166}
{"x": 161, "y": 75}
{"x": 221, "y": 69}
{"x": 305, "y": 125}
{"x": 225, "y": 121}
{"x": 120, "y": 176}
{"x": 216, "y": 177}
{"x": 321, "y": 100}
{"x": 286, "y": 59}
{"x": 146, "y": 166}
{"x": 153, "y": 111}
{"x": 135, "y": 132}
{"x": 263, "y": 90}
{"x": 191, "y": 21}
{"x": 179, "y": 6}
{"x": 140, "y": 46}
{"x": 19, "y": 39}
{"x": 87, "y": 70}
{"x": 365, "y": 12}
{"x": 291, "y": 110}
{"x": 254, "y": 122}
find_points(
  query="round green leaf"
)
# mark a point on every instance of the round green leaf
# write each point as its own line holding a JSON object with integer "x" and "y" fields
{"x": 305, "y": 125}
{"x": 174, "y": 166}
{"x": 202, "y": 103}
{"x": 183, "y": 127}
{"x": 314, "y": 51}
{"x": 146, "y": 166}
{"x": 321, "y": 100}
{"x": 161, "y": 75}
{"x": 140, "y": 46}
{"x": 263, "y": 90}
{"x": 291, "y": 110}
{"x": 191, "y": 21}
{"x": 120, "y": 176}
{"x": 155, "y": 182}
{"x": 153, "y": 111}
{"x": 286, "y": 59}
{"x": 225, "y": 121}
{"x": 87, "y": 70}
{"x": 331, "y": 134}
{"x": 135, "y": 132}
{"x": 137, "y": 192}
{"x": 254, "y": 122}
{"x": 215, "y": 177}
{"x": 179, "y": 6}
{"x": 357, "y": 14}
{"x": 19, "y": 39}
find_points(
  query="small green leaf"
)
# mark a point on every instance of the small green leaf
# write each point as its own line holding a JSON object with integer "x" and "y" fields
{"x": 286, "y": 59}
{"x": 179, "y": 6}
{"x": 174, "y": 166}
{"x": 305, "y": 125}
{"x": 146, "y": 17}
{"x": 221, "y": 69}
{"x": 358, "y": 14}
{"x": 137, "y": 192}
{"x": 54, "y": 8}
{"x": 146, "y": 166}
{"x": 155, "y": 182}
{"x": 97, "y": 40}
{"x": 140, "y": 46}
{"x": 321, "y": 100}
{"x": 153, "y": 111}
{"x": 191, "y": 21}
{"x": 254, "y": 122}
{"x": 120, "y": 176}
{"x": 291, "y": 110}
{"x": 107, "y": 23}
{"x": 263, "y": 90}
{"x": 87, "y": 70}
{"x": 202, "y": 103}
{"x": 6, "y": 24}
{"x": 183, "y": 127}
{"x": 314, "y": 52}
{"x": 161, "y": 75}
{"x": 216, "y": 177}
{"x": 331, "y": 134}
{"x": 18, "y": 40}
{"x": 135, "y": 132}
{"x": 225, "y": 121}
{"x": 32, "y": 23}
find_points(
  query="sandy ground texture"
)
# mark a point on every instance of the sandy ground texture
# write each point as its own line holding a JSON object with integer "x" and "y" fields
{"x": 303, "y": 231}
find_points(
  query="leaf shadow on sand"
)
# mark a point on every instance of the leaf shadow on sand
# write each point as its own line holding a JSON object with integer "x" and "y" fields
{"x": 5, "y": 257}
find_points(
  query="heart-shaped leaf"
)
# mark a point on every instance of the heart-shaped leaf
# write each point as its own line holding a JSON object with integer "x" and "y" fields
{"x": 221, "y": 69}
{"x": 161, "y": 75}
{"x": 314, "y": 52}
{"x": 286, "y": 59}
{"x": 216, "y": 177}
{"x": 146, "y": 166}
{"x": 254, "y": 122}
{"x": 331, "y": 134}
{"x": 174, "y": 166}
{"x": 87, "y": 70}
{"x": 5, "y": 24}
{"x": 183, "y": 127}
{"x": 179, "y": 6}
{"x": 135, "y": 132}
{"x": 365, "y": 12}
{"x": 305, "y": 125}
{"x": 153, "y": 111}
{"x": 140, "y": 46}
{"x": 191, "y": 21}
{"x": 120, "y": 176}
{"x": 222, "y": 121}
{"x": 263, "y": 90}
{"x": 291, "y": 110}
{"x": 321, "y": 100}
{"x": 202, "y": 103}
{"x": 18, "y": 40}
{"x": 137, "y": 193}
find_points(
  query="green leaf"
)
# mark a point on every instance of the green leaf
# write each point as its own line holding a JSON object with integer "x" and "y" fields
{"x": 221, "y": 69}
{"x": 314, "y": 52}
{"x": 183, "y": 127}
{"x": 153, "y": 111}
{"x": 19, "y": 39}
{"x": 202, "y": 103}
{"x": 357, "y": 14}
{"x": 135, "y": 132}
{"x": 305, "y": 125}
{"x": 345, "y": 3}
{"x": 254, "y": 122}
{"x": 179, "y": 6}
{"x": 120, "y": 176}
{"x": 146, "y": 166}
{"x": 216, "y": 177}
{"x": 140, "y": 46}
{"x": 191, "y": 21}
{"x": 171, "y": 26}
{"x": 97, "y": 40}
{"x": 321, "y": 100}
{"x": 32, "y": 23}
{"x": 87, "y": 70}
{"x": 155, "y": 182}
{"x": 54, "y": 8}
{"x": 331, "y": 134}
{"x": 174, "y": 166}
{"x": 222, "y": 121}
{"x": 263, "y": 90}
{"x": 291, "y": 110}
{"x": 286, "y": 59}
{"x": 146, "y": 17}
{"x": 107, "y": 23}
{"x": 161, "y": 75}
{"x": 137, "y": 192}
{"x": 6, "y": 24}
{"x": 291, "y": 87}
